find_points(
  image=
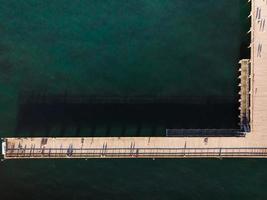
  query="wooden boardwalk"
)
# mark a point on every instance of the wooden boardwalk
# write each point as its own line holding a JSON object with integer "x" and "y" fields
{"x": 253, "y": 144}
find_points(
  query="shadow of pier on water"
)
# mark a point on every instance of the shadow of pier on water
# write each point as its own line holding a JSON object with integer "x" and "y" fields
{"x": 41, "y": 114}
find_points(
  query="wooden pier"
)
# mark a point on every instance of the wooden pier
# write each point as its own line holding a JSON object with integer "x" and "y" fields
{"x": 253, "y": 107}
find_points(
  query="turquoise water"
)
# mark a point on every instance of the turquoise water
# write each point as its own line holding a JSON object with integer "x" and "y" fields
{"x": 123, "y": 48}
{"x": 120, "y": 48}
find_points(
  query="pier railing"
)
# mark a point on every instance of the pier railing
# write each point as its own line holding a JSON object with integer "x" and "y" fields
{"x": 30, "y": 153}
{"x": 204, "y": 133}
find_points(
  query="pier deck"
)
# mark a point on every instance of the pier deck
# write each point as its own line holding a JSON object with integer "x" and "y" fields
{"x": 253, "y": 144}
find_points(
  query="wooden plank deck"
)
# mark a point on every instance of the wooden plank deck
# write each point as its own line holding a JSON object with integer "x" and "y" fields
{"x": 254, "y": 144}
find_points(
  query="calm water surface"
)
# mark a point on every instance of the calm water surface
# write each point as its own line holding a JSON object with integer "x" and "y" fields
{"x": 116, "y": 48}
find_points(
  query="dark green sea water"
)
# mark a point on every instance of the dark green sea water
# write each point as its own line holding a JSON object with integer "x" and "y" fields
{"x": 118, "y": 48}
{"x": 141, "y": 48}
{"x": 134, "y": 179}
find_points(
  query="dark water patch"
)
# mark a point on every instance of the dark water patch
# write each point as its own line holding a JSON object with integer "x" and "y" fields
{"x": 6, "y": 69}
{"x": 6, "y": 66}
{"x": 134, "y": 179}
{"x": 245, "y": 35}
{"x": 102, "y": 116}
{"x": 3, "y": 48}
